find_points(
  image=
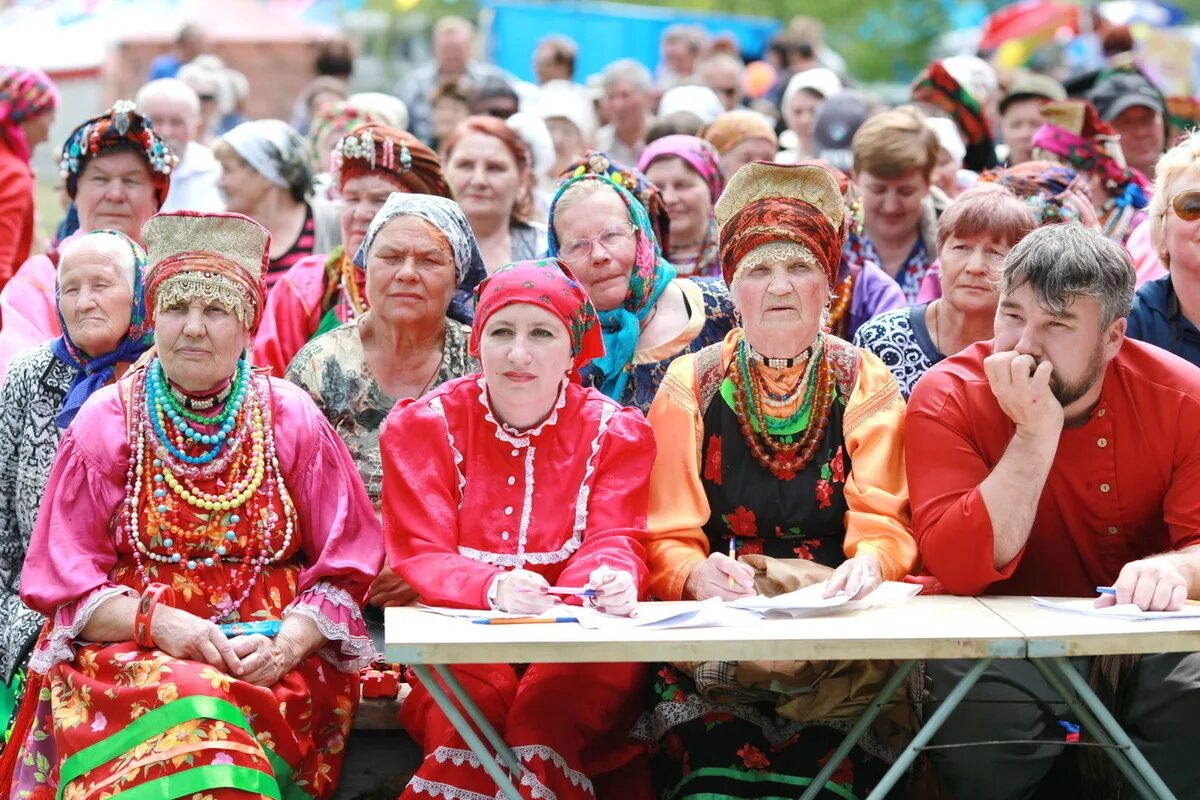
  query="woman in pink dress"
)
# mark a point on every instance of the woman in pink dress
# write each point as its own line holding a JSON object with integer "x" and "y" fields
{"x": 498, "y": 486}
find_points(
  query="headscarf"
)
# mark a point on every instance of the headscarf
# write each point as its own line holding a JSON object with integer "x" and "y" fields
{"x": 547, "y": 284}
{"x": 937, "y": 87}
{"x": 24, "y": 93}
{"x": 218, "y": 257}
{"x": 595, "y": 162}
{"x": 1074, "y": 131}
{"x": 1043, "y": 185}
{"x": 448, "y": 217}
{"x": 705, "y": 161}
{"x": 734, "y": 127}
{"x": 651, "y": 275}
{"x": 339, "y": 117}
{"x": 274, "y": 150}
{"x": 93, "y": 372}
{"x": 120, "y": 126}
{"x": 767, "y": 206}
{"x": 389, "y": 153}
{"x": 700, "y": 155}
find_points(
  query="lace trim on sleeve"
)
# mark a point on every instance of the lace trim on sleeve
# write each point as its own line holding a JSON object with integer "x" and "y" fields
{"x": 59, "y": 645}
{"x": 350, "y": 648}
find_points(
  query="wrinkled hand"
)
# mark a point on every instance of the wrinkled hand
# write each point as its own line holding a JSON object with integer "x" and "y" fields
{"x": 711, "y": 578}
{"x": 183, "y": 635}
{"x": 615, "y": 591}
{"x": 856, "y": 577}
{"x": 1022, "y": 388}
{"x": 264, "y": 660}
{"x": 1152, "y": 584}
{"x": 524, "y": 592}
{"x": 389, "y": 589}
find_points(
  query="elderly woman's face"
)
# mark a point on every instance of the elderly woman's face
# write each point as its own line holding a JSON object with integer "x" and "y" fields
{"x": 96, "y": 299}
{"x": 199, "y": 343}
{"x": 483, "y": 176}
{"x": 686, "y": 196}
{"x": 892, "y": 206}
{"x": 241, "y": 184}
{"x": 970, "y": 268}
{"x": 115, "y": 191}
{"x": 362, "y": 197}
{"x": 781, "y": 302}
{"x": 746, "y": 152}
{"x": 525, "y": 352}
{"x": 410, "y": 273}
{"x": 1181, "y": 239}
{"x": 600, "y": 219}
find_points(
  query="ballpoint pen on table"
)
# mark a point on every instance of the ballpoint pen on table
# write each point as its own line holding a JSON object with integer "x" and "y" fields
{"x": 522, "y": 620}
{"x": 1112, "y": 590}
{"x": 733, "y": 556}
{"x": 563, "y": 591}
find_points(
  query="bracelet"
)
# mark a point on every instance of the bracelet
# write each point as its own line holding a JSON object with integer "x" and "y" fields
{"x": 145, "y": 612}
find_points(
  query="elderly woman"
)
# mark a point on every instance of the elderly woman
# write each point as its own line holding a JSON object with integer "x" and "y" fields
{"x": 648, "y": 316}
{"x": 202, "y": 549}
{"x": 597, "y": 162}
{"x": 104, "y": 326}
{"x": 974, "y": 235}
{"x": 117, "y": 172}
{"x": 1166, "y": 311}
{"x": 894, "y": 157}
{"x": 783, "y": 442}
{"x": 1075, "y": 135}
{"x": 740, "y": 137}
{"x": 457, "y": 464}
{"x": 490, "y": 172}
{"x": 265, "y": 175}
{"x": 687, "y": 171}
{"x": 323, "y": 291}
{"x": 28, "y": 99}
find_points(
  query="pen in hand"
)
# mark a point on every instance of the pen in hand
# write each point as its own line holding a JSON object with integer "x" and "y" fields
{"x": 733, "y": 557}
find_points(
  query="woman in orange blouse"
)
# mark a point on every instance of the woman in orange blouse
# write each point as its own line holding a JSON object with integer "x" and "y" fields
{"x": 784, "y": 441}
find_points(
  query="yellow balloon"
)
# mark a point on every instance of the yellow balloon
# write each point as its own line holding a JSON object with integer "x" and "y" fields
{"x": 1012, "y": 54}
{"x": 406, "y": 5}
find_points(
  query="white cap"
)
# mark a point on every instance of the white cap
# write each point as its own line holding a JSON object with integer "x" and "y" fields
{"x": 390, "y": 108}
{"x": 698, "y": 100}
{"x": 536, "y": 135}
{"x": 948, "y": 136}
{"x": 568, "y": 101}
{"x": 821, "y": 80}
{"x": 975, "y": 75}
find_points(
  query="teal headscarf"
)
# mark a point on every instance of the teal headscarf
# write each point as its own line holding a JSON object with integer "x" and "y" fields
{"x": 651, "y": 275}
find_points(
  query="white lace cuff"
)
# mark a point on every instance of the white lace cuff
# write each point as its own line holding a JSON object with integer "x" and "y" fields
{"x": 70, "y": 619}
{"x": 339, "y": 618}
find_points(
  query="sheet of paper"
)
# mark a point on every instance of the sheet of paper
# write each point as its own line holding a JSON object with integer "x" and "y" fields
{"x": 1126, "y": 611}
{"x": 710, "y": 613}
{"x": 471, "y": 614}
{"x": 810, "y": 602}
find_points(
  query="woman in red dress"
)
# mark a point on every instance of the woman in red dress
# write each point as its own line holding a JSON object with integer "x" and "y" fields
{"x": 499, "y": 485}
{"x": 203, "y": 549}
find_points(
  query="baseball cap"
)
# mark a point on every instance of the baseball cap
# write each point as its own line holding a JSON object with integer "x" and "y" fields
{"x": 1122, "y": 91}
{"x": 836, "y": 122}
{"x": 1027, "y": 85}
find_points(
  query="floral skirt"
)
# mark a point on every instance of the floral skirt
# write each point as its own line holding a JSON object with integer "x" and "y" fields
{"x": 119, "y": 717}
{"x": 707, "y": 750}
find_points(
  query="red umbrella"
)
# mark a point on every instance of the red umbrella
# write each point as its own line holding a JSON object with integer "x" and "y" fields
{"x": 1028, "y": 18}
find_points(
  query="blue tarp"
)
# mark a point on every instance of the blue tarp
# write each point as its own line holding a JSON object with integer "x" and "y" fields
{"x": 605, "y": 31}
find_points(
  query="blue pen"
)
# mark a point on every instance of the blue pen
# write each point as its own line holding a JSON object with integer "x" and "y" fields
{"x": 1106, "y": 590}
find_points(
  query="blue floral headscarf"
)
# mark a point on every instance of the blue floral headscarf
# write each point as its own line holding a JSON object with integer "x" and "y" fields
{"x": 651, "y": 275}
{"x": 93, "y": 372}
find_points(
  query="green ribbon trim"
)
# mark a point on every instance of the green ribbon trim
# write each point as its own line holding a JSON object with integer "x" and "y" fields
{"x": 753, "y": 777}
{"x": 200, "y": 779}
{"x": 158, "y": 721}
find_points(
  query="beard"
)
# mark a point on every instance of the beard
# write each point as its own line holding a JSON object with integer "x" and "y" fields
{"x": 1068, "y": 391}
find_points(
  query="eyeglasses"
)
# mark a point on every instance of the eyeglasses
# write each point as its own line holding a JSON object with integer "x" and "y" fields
{"x": 1187, "y": 205}
{"x": 614, "y": 236}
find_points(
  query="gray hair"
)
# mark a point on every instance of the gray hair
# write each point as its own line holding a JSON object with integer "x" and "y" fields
{"x": 169, "y": 89}
{"x": 1061, "y": 262}
{"x": 100, "y": 243}
{"x": 694, "y": 36}
{"x": 626, "y": 69}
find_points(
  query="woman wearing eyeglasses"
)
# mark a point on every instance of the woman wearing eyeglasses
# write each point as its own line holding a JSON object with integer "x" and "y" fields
{"x": 490, "y": 171}
{"x": 1166, "y": 311}
{"x": 648, "y": 315}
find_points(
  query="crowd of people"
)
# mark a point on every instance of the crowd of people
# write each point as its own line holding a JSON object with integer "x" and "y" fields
{"x": 709, "y": 331}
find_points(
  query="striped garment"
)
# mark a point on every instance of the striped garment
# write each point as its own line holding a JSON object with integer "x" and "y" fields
{"x": 302, "y": 247}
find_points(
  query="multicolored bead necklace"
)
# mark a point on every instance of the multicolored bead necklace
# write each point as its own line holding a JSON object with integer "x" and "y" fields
{"x": 163, "y": 502}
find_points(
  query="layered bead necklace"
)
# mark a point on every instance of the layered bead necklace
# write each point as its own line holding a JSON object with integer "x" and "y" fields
{"x": 192, "y": 528}
{"x": 783, "y": 455}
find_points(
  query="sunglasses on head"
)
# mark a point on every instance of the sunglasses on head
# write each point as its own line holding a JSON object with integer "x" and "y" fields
{"x": 1187, "y": 205}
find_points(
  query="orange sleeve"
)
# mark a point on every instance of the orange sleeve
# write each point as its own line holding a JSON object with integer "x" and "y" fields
{"x": 878, "y": 518}
{"x": 676, "y": 543}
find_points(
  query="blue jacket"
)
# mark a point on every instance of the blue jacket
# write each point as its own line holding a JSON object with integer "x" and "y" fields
{"x": 1156, "y": 319}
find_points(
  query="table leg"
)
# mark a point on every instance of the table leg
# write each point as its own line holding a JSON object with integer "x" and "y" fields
{"x": 872, "y": 711}
{"x": 1151, "y": 785}
{"x": 481, "y": 721}
{"x": 931, "y": 726}
{"x": 486, "y": 758}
